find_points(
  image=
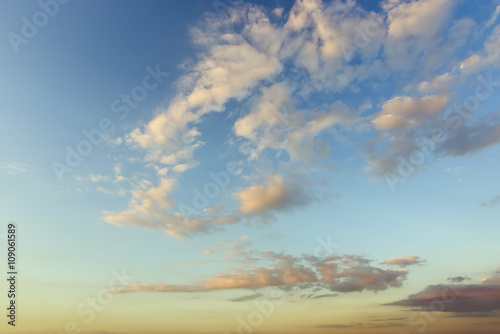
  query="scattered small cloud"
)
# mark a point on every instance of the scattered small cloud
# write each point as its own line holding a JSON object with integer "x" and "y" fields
{"x": 14, "y": 168}
{"x": 458, "y": 279}
{"x": 404, "y": 261}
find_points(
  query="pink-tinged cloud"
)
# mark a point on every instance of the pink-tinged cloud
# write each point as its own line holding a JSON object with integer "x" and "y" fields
{"x": 482, "y": 297}
{"x": 404, "y": 261}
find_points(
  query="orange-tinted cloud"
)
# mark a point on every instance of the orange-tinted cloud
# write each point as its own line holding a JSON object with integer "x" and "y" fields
{"x": 404, "y": 261}
{"x": 338, "y": 273}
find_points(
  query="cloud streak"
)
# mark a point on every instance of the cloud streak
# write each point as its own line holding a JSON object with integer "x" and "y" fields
{"x": 337, "y": 273}
{"x": 404, "y": 261}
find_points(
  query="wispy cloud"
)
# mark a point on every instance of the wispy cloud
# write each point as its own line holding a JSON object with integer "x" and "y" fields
{"x": 275, "y": 67}
{"x": 245, "y": 298}
{"x": 15, "y": 168}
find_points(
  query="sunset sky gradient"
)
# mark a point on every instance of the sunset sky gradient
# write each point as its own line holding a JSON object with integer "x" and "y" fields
{"x": 252, "y": 166}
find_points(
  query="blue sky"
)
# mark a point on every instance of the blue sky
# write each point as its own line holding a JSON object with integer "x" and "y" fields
{"x": 244, "y": 136}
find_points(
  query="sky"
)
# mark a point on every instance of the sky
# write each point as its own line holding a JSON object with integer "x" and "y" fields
{"x": 236, "y": 166}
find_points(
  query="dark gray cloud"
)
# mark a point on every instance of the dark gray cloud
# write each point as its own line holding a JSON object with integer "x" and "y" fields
{"x": 325, "y": 295}
{"x": 456, "y": 298}
{"x": 472, "y": 138}
{"x": 458, "y": 279}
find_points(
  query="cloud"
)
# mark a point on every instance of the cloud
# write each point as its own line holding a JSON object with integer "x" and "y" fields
{"x": 363, "y": 325}
{"x": 281, "y": 74}
{"x": 14, "y": 168}
{"x": 275, "y": 194}
{"x": 240, "y": 58}
{"x": 405, "y": 126}
{"x": 490, "y": 56}
{"x": 403, "y": 112}
{"x": 439, "y": 83}
{"x": 151, "y": 207}
{"x": 494, "y": 280}
{"x": 458, "y": 279}
{"x": 324, "y": 37}
{"x": 327, "y": 295}
{"x": 493, "y": 18}
{"x": 245, "y": 298}
{"x": 492, "y": 202}
{"x": 482, "y": 297}
{"x": 274, "y": 123}
{"x": 228, "y": 67}
{"x": 404, "y": 261}
{"x": 366, "y": 278}
{"x": 337, "y": 273}
{"x": 237, "y": 53}
{"x": 415, "y": 33}
{"x": 468, "y": 139}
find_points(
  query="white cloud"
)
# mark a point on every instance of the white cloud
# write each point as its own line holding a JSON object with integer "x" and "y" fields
{"x": 228, "y": 68}
{"x": 274, "y": 123}
{"x": 493, "y": 18}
